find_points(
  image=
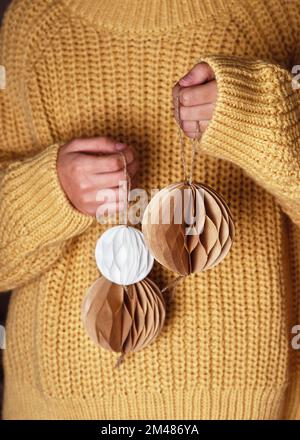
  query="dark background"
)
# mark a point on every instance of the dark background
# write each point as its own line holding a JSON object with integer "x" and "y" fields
{"x": 3, "y": 5}
{"x": 4, "y": 297}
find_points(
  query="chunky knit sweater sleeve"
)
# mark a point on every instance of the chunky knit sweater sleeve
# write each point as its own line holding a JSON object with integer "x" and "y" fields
{"x": 256, "y": 125}
{"x": 36, "y": 218}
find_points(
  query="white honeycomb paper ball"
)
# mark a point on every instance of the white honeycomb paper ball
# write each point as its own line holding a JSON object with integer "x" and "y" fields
{"x": 122, "y": 255}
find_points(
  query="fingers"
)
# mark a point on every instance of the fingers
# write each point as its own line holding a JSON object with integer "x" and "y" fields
{"x": 105, "y": 201}
{"x": 197, "y": 112}
{"x": 109, "y": 180}
{"x": 194, "y": 100}
{"x": 110, "y": 199}
{"x": 110, "y": 205}
{"x": 199, "y": 106}
{"x": 110, "y": 209}
{"x": 104, "y": 209}
{"x": 198, "y": 95}
{"x": 110, "y": 195}
{"x": 98, "y": 144}
{"x": 199, "y": 74}
{"x": 107, "y": 163}
{"x": 85, "y": 166}
{"x": 194, "y": 129}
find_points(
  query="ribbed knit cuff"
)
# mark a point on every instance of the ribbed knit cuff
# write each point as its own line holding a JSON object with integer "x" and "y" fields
{"x": 292, "y": 410}
{"x": 35, "y": 208}
{"x": 251, "y": 117}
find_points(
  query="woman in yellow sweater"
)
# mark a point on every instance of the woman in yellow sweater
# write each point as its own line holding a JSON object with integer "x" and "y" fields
{"x": 88, "y": 75}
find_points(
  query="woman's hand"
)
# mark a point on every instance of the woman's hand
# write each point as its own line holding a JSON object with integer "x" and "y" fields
{"x": 86, "y": 166}
{"x": 197, "y": 92}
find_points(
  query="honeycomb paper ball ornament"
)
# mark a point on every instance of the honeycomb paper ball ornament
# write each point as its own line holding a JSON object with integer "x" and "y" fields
{"x": 188, "y": 227}
{"x": 122, "y": 255}
{"x": 123, "y": 319}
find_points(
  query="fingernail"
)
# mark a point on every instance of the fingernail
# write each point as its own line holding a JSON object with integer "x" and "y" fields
{"x": 120, "y": 147}
{"x": 186, "y": 78}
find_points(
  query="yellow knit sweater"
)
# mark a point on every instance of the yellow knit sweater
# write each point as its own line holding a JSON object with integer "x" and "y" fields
{"x": 79, "y": 68}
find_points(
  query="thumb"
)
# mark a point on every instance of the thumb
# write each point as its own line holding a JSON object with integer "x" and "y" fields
{"x": 98, "y": 144}
{"x": 199, "y": 74}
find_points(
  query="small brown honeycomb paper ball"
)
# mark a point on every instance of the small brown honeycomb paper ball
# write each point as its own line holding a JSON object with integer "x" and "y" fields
{"x": 123, "y": 319}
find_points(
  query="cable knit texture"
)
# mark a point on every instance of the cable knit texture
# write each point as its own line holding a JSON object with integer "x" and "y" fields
{"x": 79, "y": 68}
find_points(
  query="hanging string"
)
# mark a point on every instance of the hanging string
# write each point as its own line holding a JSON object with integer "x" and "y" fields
{"x": 120, "y": 360}
{"x": 128, "y": 186}
{"x": 182, "y": 152}
{"x": 188, "y": 177}
{"x": 128, "y": 189}
{"x": 194, "y": 148}
{"x": 171, "y": 287}
{"x": 173, "y": 283}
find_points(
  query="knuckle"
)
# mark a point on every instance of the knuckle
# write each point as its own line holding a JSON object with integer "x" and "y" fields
{"x": 184, "y": 97}
{"x": 182, "y": 113}
{"x": 185, "y": 125}
{"x": 82, "y": 185}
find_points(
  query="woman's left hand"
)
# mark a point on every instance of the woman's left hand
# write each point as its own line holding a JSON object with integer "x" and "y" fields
{"x": 197, "y": 92}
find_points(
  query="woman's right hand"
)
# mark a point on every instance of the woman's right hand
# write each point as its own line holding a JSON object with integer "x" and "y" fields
{"x": 86, "y": 166}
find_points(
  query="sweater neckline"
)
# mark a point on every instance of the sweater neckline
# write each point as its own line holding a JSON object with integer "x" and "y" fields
{"x": 146, "y": 15}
